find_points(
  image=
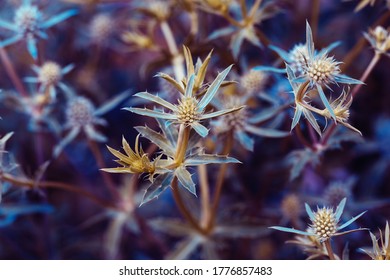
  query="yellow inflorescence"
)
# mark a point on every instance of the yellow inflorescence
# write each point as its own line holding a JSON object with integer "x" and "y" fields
{"x": 323, "y": 70}
{"x": 324, "y": 223}
{"x": 187, "y": 110}
{"x": 50, "y": 73}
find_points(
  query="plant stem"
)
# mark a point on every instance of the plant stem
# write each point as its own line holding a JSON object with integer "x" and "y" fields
{"x": 57, "y": 185}
{"x": 204, "y": 195}
{"x": 100, "y": 162}
{"x": 315, "y": 11}
{"x": 182, "y": 142}
{"x": 9, "y": 68}
{"x": 363, "y": 78}
{"x": 355, "y": 51}
{"x": 177, "y": 58}
{"x": 220, "y": 179}
{"x": 181, "y": 206}
{"x": 367, "y": 72}
{"x": 329, "y": 249}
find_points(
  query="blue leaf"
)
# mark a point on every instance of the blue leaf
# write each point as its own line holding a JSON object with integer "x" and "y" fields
{"x": 351, "y": 221}
{"x": 185, "y": 179}
{"x": 200, "y": 129}
{"x": 10, "y": 41}
{"x": 157, "y": 139}
{"x": 282, "y": 53}
{"x": 32, "y": 47}
{"x": 209, "y": 159}
{"x": 112, "y": 103}
{"x": 159, "y": 185}
{"x": 266, "y": 132}
{"x": 58, "y": 18}
{"x": 151, "y": 113}
{"x": 291, "y": 230}
{"x": 343, "y": 79}
{"x": 325, "y": 101}
{"x": 212, "y": 90}
{"x": 156, "y": 99}
{"x": 244, "y": 139}
{"x": 309, "y": 212}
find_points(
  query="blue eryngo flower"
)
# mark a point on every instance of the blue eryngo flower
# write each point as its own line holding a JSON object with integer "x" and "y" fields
{"x": 297, "y": 57}
{"x": 49, "y": 76}
{"x": 29, "y": 24}
{"x": 244, "y": 29}
{"x": 379, "y": 38}
{"x": 191, "y": 109}
{"x": 324, "y": 222}
{"x": 321, "y": 70}
{"x": 242, "y": 123}
{"x": 167, "y": 142}
{"x": 81, "y": 115}
{"x": 299, "y": 91}
{"x": 133, "y": 161}
{"x": 380, "y": 250}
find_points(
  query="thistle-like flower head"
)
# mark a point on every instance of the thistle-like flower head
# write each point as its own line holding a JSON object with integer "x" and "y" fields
{"x": 380, "y": 250}
{"x": 324, "y": 222}
{"x": 379, "y": 38}
{"x": 29, "y": 23}
{"x": 136, "y": 161}
{"x": 191, "y": 109}
{"x": 101, "y": 28}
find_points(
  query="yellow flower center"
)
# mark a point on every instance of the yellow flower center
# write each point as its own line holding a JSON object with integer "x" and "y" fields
{"x": 324, "y": 223}
{"x": 50, "y": 73}
{"x": 187, "y": 110}
{"x": 323, "y": 70}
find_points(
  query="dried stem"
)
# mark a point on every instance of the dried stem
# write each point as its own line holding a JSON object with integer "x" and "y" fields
{"x": 177, "y": 58}
{"x": 101, "y": 164}
{"x": 220, "y": 179}
{"x": 181, "y": 206}
{"x": 367, "y": 72}
{"x": 315, "y": 12}
{"x": 363, "y": 78}
{"x": 329, "y": 249}
{"x": 9, "y": 68}
{"x": 204, "y": 195}
{"x": 357, "y": 49}
{"x": 182, "y": 142}
{"x": 56, "y": 185}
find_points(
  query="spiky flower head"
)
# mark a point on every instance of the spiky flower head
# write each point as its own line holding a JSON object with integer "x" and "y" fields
{"x": 336, "y": 191}
{"x": 322, "y": 70}
{"x": 380, "y": 250}
{"x": 291, "y": 207}
{"x": 80, "y": 111}
{"x": 27, "y": 18}
{"x": 101, "y": 28}
{"x": 324, "y": 222}
{"x": 133, "y": 161}
{"x": 50, "y": 73}
{"x": 298, "y": 57}
{"x": 191, "y": 109}
{"x": 340, "y": 107}
{"x": 379, "y": 39}
{"x": 234, "y": 121}
{"x": 253, "y": 81}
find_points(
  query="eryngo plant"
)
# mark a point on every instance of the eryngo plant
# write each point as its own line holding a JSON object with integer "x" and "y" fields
{"x": 29, "y": 24}
{"x": 177, "y": 142}
{"x": 324, "y": 222}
